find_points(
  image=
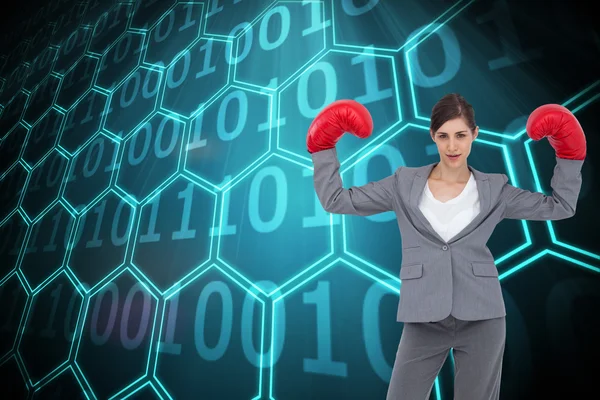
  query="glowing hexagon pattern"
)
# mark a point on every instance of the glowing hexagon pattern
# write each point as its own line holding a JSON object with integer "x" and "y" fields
{"x": 159, "y": 230}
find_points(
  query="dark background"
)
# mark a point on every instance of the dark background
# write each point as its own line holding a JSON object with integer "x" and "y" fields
{"x": 54, "y": 301}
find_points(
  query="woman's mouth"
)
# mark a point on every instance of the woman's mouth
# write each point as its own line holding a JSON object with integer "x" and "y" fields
{"x": 453, "y": 157}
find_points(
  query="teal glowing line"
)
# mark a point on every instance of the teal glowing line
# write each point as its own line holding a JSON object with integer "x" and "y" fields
{"x": 386, "y": 49}
{"x": 439, "y": 26}
{"x": 65, "y": 370}
{"x": 180, "y": 289}
{"x": 262, "y": 157}
{"x": 580, "y": 94}
{"x": 138, "y": 389}
{"x": 148, "y": 200}
{"x": 96, "y": 290}
{"x": 317, "y": 55}
{"x": 168, "y": 179}
{"x": 568, "y": 102}
{"x": 395, "y": 89}
{"x": 230, "y": 188}
{"x": 335, "y": 263}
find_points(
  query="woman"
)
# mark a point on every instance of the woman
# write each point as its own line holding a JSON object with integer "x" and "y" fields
{"x": 450, "y": 294}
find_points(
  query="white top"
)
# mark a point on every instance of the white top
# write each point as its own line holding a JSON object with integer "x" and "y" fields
{"x": 450, "y": 217}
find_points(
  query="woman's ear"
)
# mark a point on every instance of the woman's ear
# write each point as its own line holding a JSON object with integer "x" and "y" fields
{"x": 475, "y": 132}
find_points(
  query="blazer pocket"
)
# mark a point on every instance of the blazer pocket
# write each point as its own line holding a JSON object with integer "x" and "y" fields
{"x": 411, "y": 271}
{"x": 485, "y": 269}
{"x": 411, "y": 247}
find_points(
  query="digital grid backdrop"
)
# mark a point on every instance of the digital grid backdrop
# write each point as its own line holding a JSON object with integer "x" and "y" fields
{"x": 160, "y": 236}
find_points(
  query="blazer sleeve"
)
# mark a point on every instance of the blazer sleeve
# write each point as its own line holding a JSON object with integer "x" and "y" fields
{"x": 372, "y": 198}
{"x": 566, "y": 185}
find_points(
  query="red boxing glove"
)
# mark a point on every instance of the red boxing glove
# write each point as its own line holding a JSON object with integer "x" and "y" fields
{"x": 562, "y": 128}
{"x": 334, "y": 120}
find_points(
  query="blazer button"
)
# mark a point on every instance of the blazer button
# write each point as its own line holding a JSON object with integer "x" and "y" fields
{"x": 445, "y": 248}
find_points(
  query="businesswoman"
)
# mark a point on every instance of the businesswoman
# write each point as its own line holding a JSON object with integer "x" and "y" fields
{"x": 450, "y": 294}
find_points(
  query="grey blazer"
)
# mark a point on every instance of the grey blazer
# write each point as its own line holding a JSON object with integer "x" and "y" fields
{"x": 458, "y": 277}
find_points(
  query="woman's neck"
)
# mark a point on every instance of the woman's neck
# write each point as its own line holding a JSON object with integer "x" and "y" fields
{"x": 450, "y": 175}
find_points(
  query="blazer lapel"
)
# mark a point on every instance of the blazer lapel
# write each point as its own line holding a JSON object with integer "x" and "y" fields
{"x": 416, "y": 191}
{"x": 420, "y": 180}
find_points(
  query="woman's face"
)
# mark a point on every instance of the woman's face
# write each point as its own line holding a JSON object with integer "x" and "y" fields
{"x": 454, "y": 138}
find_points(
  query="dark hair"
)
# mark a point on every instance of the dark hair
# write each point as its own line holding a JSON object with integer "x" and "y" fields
{"x": 449, "y": 107}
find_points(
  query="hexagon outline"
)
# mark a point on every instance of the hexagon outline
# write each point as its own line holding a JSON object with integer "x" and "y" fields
{"x": 137, "y": 64}
{"x": 130, "y": 137}
{"x": 112, "y": 8}
{"x": 150, "y": 27}
{"x": 151, "y": 326}
{"x": 90, "y": 23}
{"x": 512, "y": 271}
{"x": 20, "y": 155}
{"x": 82, "y": 380}
{"x": 20, "y": 120}
{"x": 175, "y": 290}
{"x": 387, "y": 49}
{"x": 216, "y": 35}
{"x": 30, "y": 225}
{"x": 567, "y": 103}
{"x": 99, "y": 198}
{"x": 549, "y": 223}
{"x": 52, "y": 103}
{"x": 20, "y": 366}
{"x": 65, "y": 40}
{"x": 91, "y": 84}
{"x": 300, "y": 271}
{"x": 142, "y": 280}
{"x": 20, "y": 199}
{"x": 200, "y": 108}
{"x": 17, "y": 266}
{"x": 381, "y": 136}
{"x": 103, "y": 115}
{"x": 141, "y": 387}
{"x": 21, "y": 278}
{"x": 339, "y": 262}
{"x": 159, "y": 21}
{"x": 228, "y": 179}
{"x": 21, "y": 324}
{"x": 20, "y": 89}
{"x": 80, "y": 14}
{"x": 50, "y": 47}
{"x": 134, "y": 239}
{"x": 409, "y": 73}
{"x": 26, "y": 185}
{"x": 575, "y": 109}
{"x": 302, "y": 69}
{"x": 58, "y": 373}
{"x": 27, "y": 315}
{"x": 31, "y": 127}
{"x": 112, "y": 93}
{"x": 119, "y": 268}
{"x": 74, "y": 211}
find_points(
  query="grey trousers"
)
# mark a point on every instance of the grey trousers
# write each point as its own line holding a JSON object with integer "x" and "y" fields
{"x": 478, "y": 353}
